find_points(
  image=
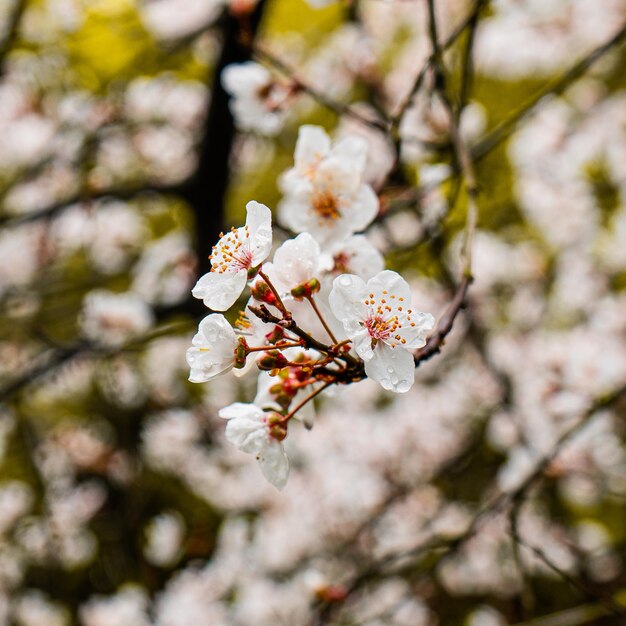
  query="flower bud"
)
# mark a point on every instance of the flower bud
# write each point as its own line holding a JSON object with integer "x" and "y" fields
{"x": 260, "y": 291}
{"x": 272, "y": 360}
{"x": 306, "y": 290}
{"x": 276, "y": 335}
{"x": 253, "y": 271}
{"x": 277, "y": 427}
{"x": 332, "y": 593}
{"x": 241, "y": 351}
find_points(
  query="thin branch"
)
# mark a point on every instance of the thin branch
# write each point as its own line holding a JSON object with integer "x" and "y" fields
{"x": 322, "y": 320}
{"x": 466, "y": 168}
{"x": 308, "y": 399}
{"x": 610, "y": 605}
{"x": 495, "y": 503}
{"x": 339, "y": 108}
{"x": 437, "y": 339}
{"x": 49, "y": 361}
{"x": 84, "y": 196}
{"x": 469, "y": 21}
{"x": 467, "y": 74}
{"x": 577, "y": 616}
{"x": 556, "y": 86}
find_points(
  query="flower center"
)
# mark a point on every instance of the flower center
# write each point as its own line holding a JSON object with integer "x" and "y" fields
{"x": 387, "y": 315}
{"x": 341, "y": 263}
{"x": 379, "y": 328}
{"x": 326, "y": 205}
{"x": 232, "y": 252}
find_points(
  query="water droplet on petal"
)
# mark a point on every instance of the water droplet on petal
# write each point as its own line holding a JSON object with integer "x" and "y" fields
{"x": 403, "y": 386}
{"x": 345, "y": 281}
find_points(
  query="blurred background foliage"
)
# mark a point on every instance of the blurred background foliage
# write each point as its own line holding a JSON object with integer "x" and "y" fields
{"x": 54, "y": 380}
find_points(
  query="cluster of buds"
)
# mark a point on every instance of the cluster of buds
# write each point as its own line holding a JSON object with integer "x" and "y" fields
{"x": 322, "y": 313}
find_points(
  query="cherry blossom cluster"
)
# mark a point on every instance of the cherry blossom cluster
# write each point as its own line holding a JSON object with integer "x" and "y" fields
{"x": 323, "y": 312}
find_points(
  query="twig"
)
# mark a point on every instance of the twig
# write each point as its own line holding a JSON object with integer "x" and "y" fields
{"x": 51, "y": 360}
{"x": 577, "y": 616}
{"x": 308, "y": 399}
{"x": 417, "y": 84}
{"x": 466, "y": 167}
{"x": 86, "y": 196}
{"x": 610, "y": 605}
{"x": 557, "y": 86}
{"x": 322, "y": 320}
{"x": 495, "y": 503}
{"x": 436, "y": 340}
{"x": 339, "y": 108}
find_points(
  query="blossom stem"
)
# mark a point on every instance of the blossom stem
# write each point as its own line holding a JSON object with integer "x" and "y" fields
{"x": 279, "y": 302}
{"x": 321, "y": 319}
{"x": 306, "y": 400}
{"x": 263, "y": 313}
{"x": 278, "y": 346}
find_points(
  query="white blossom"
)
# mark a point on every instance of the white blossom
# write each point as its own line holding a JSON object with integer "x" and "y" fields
{"x": 35, "y": 609}
{"x": 174, "y": 19}
{"x": 324, "y": 192}
{"x": 251, "y": 430}
{"x": 113, "y": 318}
{"x": 236, "y": 252}
{"x": 164, "y": 537}
{"x": 355, "y": 255}
{"x": 128, "y": 606}
{"x": 296, "y": 262}
{"x": 256, "y": 97}
{"x": 378, "y": 318}
{"x": 213, "y": 349}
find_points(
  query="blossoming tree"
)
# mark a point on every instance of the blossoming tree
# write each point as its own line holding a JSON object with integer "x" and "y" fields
{"x": 373, "y": 248}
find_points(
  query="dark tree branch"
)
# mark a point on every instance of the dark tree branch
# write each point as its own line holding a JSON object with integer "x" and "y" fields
{"x": 12, "y": 29}
{"x": 206, "y": 190}
{"x": 437, "y": 339}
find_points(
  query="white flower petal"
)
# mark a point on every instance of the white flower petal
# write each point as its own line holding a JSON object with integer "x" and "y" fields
{"x": 364, "y": 208}
{"x": 355, "y": 255}
{"x": 392, "y": 368}
{"x": 249, "y": 435}
{"x": 337, "y": 176}
{"x": 220, "y": 291}
{"x": 213, "y": 349}
{"x": 294, "y": 212}
{"x": 216, "y": 334}
{"x": 347, "y": 298}
{"x": 392, "y": 283}
{"x": 244, "y": 78}
{"x": 295, "y": 183}
{"x": 203, "y": 370}
{"x": 296, "y": 261}
{"x": 353, "y": 149}
{"x": 313, "y": 144}
{"x": 259, "y": 223}
{"x": 241, "y": 409}
{"x": 362, "y": 343}
{"x": 275, "y": 464}
{"x": 415, "y": 336}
